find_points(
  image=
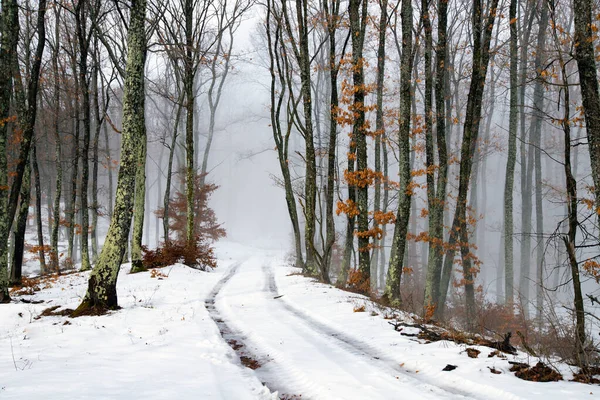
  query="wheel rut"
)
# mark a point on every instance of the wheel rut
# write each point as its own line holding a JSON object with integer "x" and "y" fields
{"x": 352, "y": 345}
{"x": 234, "y": 339}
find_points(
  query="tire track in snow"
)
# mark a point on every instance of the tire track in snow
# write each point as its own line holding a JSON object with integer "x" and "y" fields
{"x": 236, "y": 342}
{"x": 303, "y": 359}
{"x": 375, "y": 356}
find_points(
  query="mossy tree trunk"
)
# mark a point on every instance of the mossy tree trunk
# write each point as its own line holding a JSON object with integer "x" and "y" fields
{"x": 102, "y": 286}
{"x": 8, "y": 47}
{"x": 27, "y": 118}
{"x": 588, "y": 81}
{"x": 436, "y": 215}
{"x": 392, "y": 287}
{"x": 139, "y": 208}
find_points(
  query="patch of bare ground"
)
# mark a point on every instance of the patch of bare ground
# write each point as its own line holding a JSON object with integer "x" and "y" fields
{"x": 249, "y": 362}
{"x": 590, "y": 375}
{"x": 540, "y": 372}
{"x": 54, "y": 311}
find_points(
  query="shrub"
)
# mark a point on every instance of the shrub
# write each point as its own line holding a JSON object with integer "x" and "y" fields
{"x": 176, "y": 249}
{"x": 206, "y": 226}
{"x": 197, "y": 255}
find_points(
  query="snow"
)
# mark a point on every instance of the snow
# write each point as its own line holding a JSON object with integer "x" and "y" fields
{"x": 166, "y": 342}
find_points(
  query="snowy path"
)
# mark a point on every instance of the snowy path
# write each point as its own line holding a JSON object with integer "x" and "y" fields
{"x": 188, "y": 334}
{"x": 301, "y": 356}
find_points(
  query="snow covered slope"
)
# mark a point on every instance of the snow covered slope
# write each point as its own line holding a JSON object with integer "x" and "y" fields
{"x": 166, "y": 343}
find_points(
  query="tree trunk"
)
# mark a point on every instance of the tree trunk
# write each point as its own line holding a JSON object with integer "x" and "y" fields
{"x": 392, "y": 287}
{"x": 54, "y": 257}
{"x": 482, "y": 33}
{"x": 526, "y": 159}
{"x": 38, "y": 211}
{"x": 102, "y": 287}
{"x": 279, "y": 69}
{"x": 20, "y": 228}
{"x": 512, "y": 159}
{"x": 98, "y": 120}
{"x": 82, "y": 33}
{"x": 74, "y": 174}
{"x": 332, "y": 25}
{"x": 386, "y": 193}
{"x": 167, "y": 195}
{"x": 379, "y": 132}
{"x": 109, "y": 170}
{"x": 310, "y": 186}
{"x": 189, "y": 127}
{"x": 431, "y": 282}
{"x": 139, "y": 209}
{"x": 588, "y": 80}
{"x": 538, "y": 115}
{"x": 357, "y": 30}
{"x": 570, "y": 238}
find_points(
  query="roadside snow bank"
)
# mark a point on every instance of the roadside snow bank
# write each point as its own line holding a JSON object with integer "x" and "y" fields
{"x": 161, "y": 345}
{"x": 473, "y": 377}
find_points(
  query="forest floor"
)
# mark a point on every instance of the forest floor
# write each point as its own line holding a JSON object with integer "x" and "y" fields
{"x": 251, "y": 329}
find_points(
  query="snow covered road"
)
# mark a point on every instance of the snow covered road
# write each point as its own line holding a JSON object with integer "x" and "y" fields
{"x": 299, "y": 355}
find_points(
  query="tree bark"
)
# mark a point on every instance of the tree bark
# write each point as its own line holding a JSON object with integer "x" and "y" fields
{"x": 279, "y": 69}
{"x": 482, "y": 34}
{"x": 357, "y": 10}
{"x": 139, "y": 208}
{"x": 392, "y": 287}
{"x": 81, "y": 11}
{"x": 102, "y": 286}
{"x": 166, "y": 199}
{"x": 379, "y": 132}
{"x": 588, "y": 81}
{"x": 189, "y": 75}
{"x": 512, "y": 159}
{"x": 20, "y": 227}
{"x": 54, "y": 257}
{"x": 38, "y": 211}
{"x": 538, "y": 115}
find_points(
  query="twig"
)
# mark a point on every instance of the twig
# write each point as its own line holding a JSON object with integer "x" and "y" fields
{"x": 13, "y": 354}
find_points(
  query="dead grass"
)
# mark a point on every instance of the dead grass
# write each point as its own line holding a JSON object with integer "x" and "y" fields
{"x": 589, "y": 375}
{"x": 52, "y": 312}
{"x": 538, "y": 373}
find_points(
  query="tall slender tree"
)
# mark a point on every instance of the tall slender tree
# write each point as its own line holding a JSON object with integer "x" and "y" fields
{"x": 588, "y": 81}
{"x": 102, "y": 286}
{"x": 512, "y": 157}
{"x": 392, "y": 286}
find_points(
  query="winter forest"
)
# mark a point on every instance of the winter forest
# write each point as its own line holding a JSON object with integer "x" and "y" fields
{"x": 434, "y": 165}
